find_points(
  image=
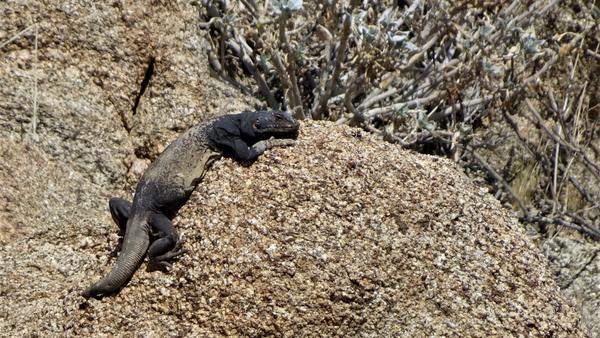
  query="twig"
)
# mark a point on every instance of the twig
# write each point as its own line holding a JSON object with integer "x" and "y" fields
{"x": 547, "y": 8}
{"x": 251, "y": 6}
{"x": 592, "y": 54}
{"x": 16, "y": 36}
{"x": 539, "y": 73}
{"x": 547, "y": 165}
{"x": 508, "y": 10}
{"x": 357, "y": 117}
{"x": 213, "y": 60}
{"x": 438, "y": 73}
{"x": 418, "y": 138}
{"x": 413, "y": 6}
{"x": 284, "y": 79}
{"x": 398, "y": 106}
{"x": 35, "y": 86}
{"x": 415, "y": 58}
{"x": 587, "y": 195}
{"x": 591, "y": 232}
{"x": 593, "y": 167}
{"x": 502, "y": 181}
{"x": 555, "y": 178}
{"x": 249, "y": 64}
{"x": 376, "y": 98}
{"x": 465, "y": 104}
{"x": 552, "y": 100}
{"x": 578, "y": 112}
{"x": 291, "y": 67}
{"x": 319, "y": 110}
{"x": 206, "y": 25}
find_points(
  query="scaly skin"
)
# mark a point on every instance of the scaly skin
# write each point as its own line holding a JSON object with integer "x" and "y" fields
{"x": 136, "y": 241}
{"x": 169, "y": 181}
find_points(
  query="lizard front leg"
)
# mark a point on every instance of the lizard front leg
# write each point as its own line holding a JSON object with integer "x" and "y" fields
{"x": 261, "y": 146}
{"x": 248, "y": 154}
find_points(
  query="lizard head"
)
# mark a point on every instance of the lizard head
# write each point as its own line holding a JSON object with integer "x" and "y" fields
{"x": 272, "y": 123}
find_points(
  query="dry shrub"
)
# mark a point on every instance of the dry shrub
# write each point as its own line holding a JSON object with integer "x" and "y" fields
{"x": 501, "y": 87}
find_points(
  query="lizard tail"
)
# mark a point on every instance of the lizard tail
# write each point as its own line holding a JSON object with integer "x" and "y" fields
{"x": 135, "y": 245}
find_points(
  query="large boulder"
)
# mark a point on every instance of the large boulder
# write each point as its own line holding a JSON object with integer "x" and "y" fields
{"x": 84, "y": 66}
{"x": 339, "y": 235}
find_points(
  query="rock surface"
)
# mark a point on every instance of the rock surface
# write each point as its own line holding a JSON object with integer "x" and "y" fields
{"x": 576, "y": 266}
{"x": 340, "y": 235}
{"x": 84, "y": 66}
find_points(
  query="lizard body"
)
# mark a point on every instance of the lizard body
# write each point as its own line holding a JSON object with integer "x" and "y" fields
{"x": 167, "y": 184}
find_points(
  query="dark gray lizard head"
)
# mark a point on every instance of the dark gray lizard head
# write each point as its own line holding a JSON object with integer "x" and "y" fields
{"x": 264, "y": 124}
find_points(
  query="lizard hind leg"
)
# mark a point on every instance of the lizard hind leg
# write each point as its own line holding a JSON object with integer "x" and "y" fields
{"x": 120, "y": 210}
{"x": 166, "y": 246}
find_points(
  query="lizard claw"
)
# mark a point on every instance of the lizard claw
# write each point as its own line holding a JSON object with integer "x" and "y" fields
{"x": 281, "y": 142}
{"x": 162, "y": 262}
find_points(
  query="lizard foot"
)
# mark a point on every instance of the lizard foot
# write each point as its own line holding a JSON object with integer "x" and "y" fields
{"x": 163, "y": 266}
{"x": 162, "y": 262}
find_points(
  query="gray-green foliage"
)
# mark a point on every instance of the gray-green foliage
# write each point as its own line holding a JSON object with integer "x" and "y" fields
{"x": 286, "y": 6}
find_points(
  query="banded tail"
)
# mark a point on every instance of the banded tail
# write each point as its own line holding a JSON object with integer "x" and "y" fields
{"x": 135, "y": 246}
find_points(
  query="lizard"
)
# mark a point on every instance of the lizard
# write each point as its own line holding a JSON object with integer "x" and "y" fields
{"x": 145, "y": 226}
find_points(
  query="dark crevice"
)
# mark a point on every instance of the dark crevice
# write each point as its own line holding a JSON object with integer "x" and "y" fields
{"x": 145, "y": 82}
{"x": 125, "y": 119}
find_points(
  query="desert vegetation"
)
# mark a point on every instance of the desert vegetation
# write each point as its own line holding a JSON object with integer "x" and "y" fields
{"x": 506, "y": 89}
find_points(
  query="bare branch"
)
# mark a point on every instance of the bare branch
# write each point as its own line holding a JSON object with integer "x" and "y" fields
{"x": 403, "y": 105}
{"x": 249, "y": 64}
{"x": 585, "y": 229}
{"x": 376, "y": 98}
{"x": 16, "y": 36}
{"x": 285, "y": 79}
{"x": 594, "y": 168}
{"x": 503, "y": 182}
{"x": 593, "y": 54}
{"x": 539, "y": 73}
{"x": 419, "y": 55}
{"x": 251, "y": 6}
{"x": 319, "y": 110}
{"x": 291, "y": 67}
{"x": 465, "y": 104}
{"x": 384, "y": 70}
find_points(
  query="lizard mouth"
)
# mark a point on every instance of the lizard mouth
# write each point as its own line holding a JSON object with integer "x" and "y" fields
{"x": 278, "y": 124}
{"x": 282, "y": 129}
{"x": 282, "y": 132}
